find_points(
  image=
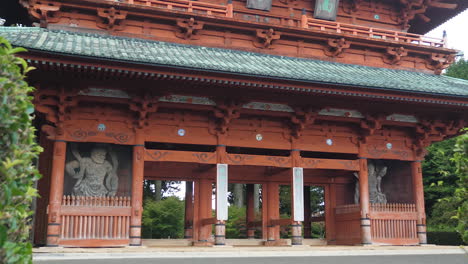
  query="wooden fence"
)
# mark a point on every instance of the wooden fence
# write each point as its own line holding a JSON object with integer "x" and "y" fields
{"x": 394, "y": 224}
{"x": 95, "y": 218}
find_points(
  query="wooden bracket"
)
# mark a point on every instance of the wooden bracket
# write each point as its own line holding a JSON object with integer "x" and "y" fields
{"x": 111, "y": 18}
{"x": 188, "y": 28}
{"x": 412, "y": 8}
{"x": 394, "y": 55}
{"x": 300, "y": 119}
{"x": 225, "y": 112}
{"x": 56, "y": 108}
{"x": 439, "y": 62}
{"x": 143, "y": 106}
{"x": 265, "y": 38}
{"x": 369, "y": 126}
{"x": 336, "y": 47}
{"x": 46, "y": 12}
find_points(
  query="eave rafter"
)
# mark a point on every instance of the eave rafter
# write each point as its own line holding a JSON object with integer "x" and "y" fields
{"x": 411, "y": 9}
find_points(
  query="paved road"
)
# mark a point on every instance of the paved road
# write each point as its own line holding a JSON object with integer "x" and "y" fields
{"x": 400, "y": 259}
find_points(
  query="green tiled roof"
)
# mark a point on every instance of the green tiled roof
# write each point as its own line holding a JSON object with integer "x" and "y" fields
{"x": 231, "y": 61}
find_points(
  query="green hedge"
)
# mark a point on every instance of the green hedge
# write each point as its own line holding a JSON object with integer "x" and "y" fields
{"x": 444, "y": 238}
{"x": 17, "y": 154}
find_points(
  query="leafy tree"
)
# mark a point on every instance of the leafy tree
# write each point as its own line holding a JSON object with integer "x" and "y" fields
{"x": 235, "y": 225}
{"x": 461, "y": 194}
{"x": 17, "y": 155}
{"x": 163, "y": 219}
{"x": 459, "y": 69}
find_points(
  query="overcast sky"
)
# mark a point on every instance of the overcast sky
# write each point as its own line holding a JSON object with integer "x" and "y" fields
{"x": 457, "y": 32}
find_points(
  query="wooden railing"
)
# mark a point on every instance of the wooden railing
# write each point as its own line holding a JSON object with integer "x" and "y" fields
{"x": 370, "y": 32}
{"x": 85, "y": 218}
{"x": 203, "y": 8}
{"x": 188, "y": 6}
{"x": 393, "y": 223}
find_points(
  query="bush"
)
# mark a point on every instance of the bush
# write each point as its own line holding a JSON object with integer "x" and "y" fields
{"x": 444, "y": 238}
{"x": 163, "y": 219}
{"x": 17, "y": 154}
{"x": 235, "y": 225}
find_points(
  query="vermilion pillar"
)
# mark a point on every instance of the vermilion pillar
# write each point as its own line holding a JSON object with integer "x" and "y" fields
{"x": 250, "y": 217}
{"x": 418, "y": 192}
{"x": 188, "y": 210}
{"x": 364, "y": 202}
{"x": 137, "y": 195}
{"x": 56, "y": 193}
{"x": 204, "y": 210}
{"x": 307, "y": 213}
{"x": 273, "y": 211}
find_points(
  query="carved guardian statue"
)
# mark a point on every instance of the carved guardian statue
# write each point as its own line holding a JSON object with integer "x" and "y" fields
{"x": 376, "y": 170}
{"x": 95, "y": 175}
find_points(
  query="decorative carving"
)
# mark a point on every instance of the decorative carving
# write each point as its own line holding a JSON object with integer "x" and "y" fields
{"x": 376, "y": 171}
{"x": 265, "y": 38}
{"x": 111, "y": 18}
{"x": 204, "y": 157}
{"x": 264, "y": 5}
{"x": 143, "y": 106}
{"x": 95, "y": 175}
{"x": 439, "y": 62}
{"x": 301, "y": 119}
{"x": 412, "y": 8}
{"x": 225, "y": 112}
{"x": 394, "y": 55}
{"x": 45, "y": 12}
{"x": 279, "y": 161}
{"x": 336, "y": 47}
{"x": 369, "y": 125}
{"x": 188, "y": 28}
{"x": 119, "y": 137}
{"x": 157, "y": 154}
{"x": 239, "y": 159}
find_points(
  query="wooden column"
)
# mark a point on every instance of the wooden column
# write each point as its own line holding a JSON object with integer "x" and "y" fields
{"x": 330, "y": 205}
{"x": 265, "y": 214}
{"x": 364, "y": 202}
{"x": 220, "y": 233}
{"x": 250, "y": 214}
{"x": 188, "y": 226}
{"x": 273, "y": 212}
{"x": 297, "y": 199}
{"x": 56, "y": 193}
{"x": 307, "y": 213}
{"x": 418, "y": 193}
{"x": 137, "y": 194}
{"x": 204, "y": 233}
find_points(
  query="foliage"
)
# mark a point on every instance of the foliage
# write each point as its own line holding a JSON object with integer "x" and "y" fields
{"x": 460, "y": 158}
{"x": 163, "y": 219}
{"x": 235, "y": 225}
{"x": 459, "y": 69}
{"x": 168, "y": 188}
{"x": 439, "y": 177}
{"x": 444, "y": 238}
{"x": 17, "y": 154}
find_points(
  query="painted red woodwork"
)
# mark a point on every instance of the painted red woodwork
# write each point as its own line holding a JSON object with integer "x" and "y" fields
{"x": 418, "y": 192}
{"x": 137, "y": 195}
{"x": 348, "y": 229}
{"x": 273, "y": 220}
{"x": 364, "y": 202}
{"x": 204, "y": 219}
{"x": 56, "y": 193}
{"x": 188, "y": 223}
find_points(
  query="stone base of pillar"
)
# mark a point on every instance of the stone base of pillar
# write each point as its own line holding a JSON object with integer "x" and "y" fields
{"x": 421, "y": 231}
{"x": 296, "y": 234}
{"x": 220, "y": 234}
{"x": 366, "y": 231}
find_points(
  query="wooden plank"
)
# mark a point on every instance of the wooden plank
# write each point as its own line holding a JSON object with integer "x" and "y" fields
{"x": 95, "y": 211}
{"x": 259, "y": 160}
{"x": 180, "y": 156}
{"x": 334, "y": 164}
{"x": 394, "y": 215}
{"x": 94, "y": 242}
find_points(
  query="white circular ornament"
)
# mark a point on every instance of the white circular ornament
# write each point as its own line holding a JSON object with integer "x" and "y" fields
{"x": 101, "y": 127}
{"x": 389, "y": 146}
{"x": 181, "y": 132}
{"x": 329, "y": 142}
{"x": 259, "y": 137}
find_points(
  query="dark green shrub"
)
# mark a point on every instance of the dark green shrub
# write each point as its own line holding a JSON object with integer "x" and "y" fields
{"x": 163, "y": 219}
{"x": 18, "y": 150}
{"x": 235, "y": 225}
{"x": 444, "y": 238}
